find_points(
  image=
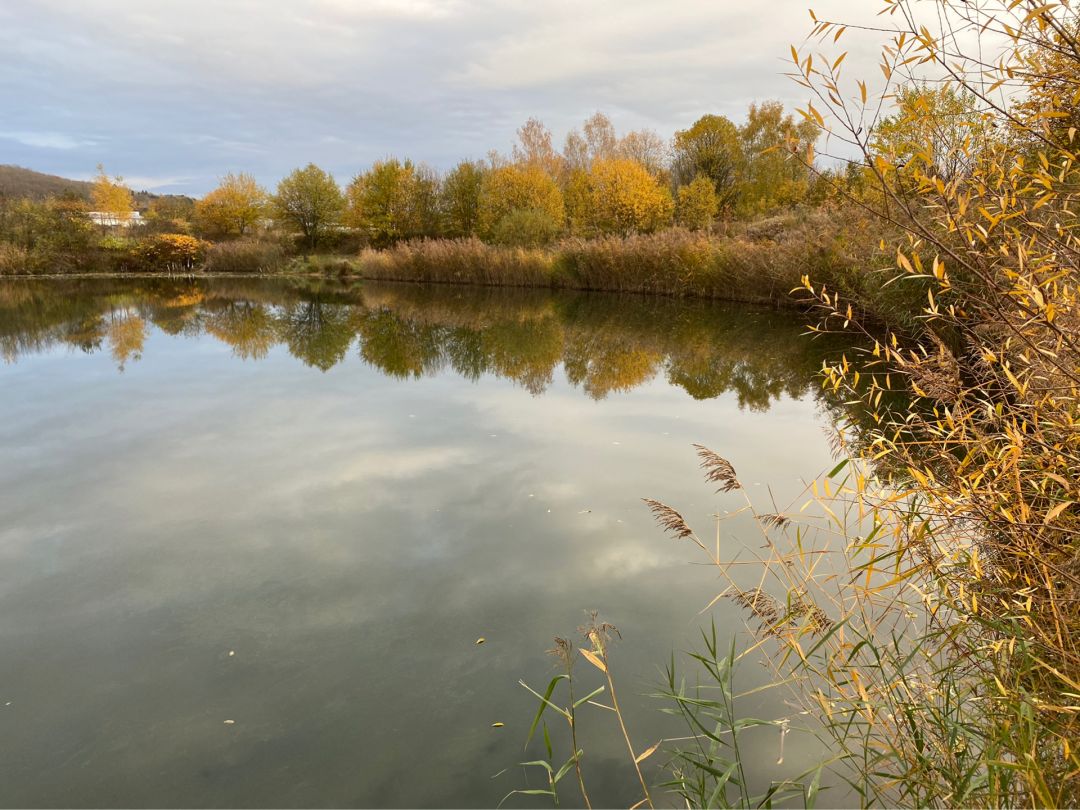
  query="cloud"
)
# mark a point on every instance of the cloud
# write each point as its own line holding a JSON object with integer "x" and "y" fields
{"x": 46, "y": 140}
{"x": 197, "y": 88}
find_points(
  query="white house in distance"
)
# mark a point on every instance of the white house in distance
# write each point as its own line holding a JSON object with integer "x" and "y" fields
{"x": 110, "y": 220}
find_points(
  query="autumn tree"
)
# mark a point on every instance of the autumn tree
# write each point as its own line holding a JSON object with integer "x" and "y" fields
{"x": 171, "y": 214}
{"x": 310, "y": 201}
{"x": 111, "y": 198}
{"x": 710, "y": 148}
{"x": 645, "y": 147}
{"x": 620, "y": 196}
{"x": 512, "y": 189}
{"x": 697, "y": 205}
{"x": 596, "y": 141}
{"x": 1049, "y": 111}
{"x": 533, "y": 148}
{"x": 459, "y": 199}
{"x": 234, "y": 207}
{"x": 394, "y": 200}
{"x": 600, "y": 136}
{"x": 775, "y": 146}
{"x": 935, "y": 130}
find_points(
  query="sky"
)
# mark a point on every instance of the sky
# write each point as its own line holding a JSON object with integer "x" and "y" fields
{"x": 172, "y": 94}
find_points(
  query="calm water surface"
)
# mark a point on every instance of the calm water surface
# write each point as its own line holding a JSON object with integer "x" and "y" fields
{"x": 296, "y": 506}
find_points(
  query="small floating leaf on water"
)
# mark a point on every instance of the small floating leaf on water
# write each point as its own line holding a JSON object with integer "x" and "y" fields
{"x": 496, "y": 725}
{"x": 585, "y": 511}
{"x": 616, "y": 442}
{"x": 230, "y": 722}
{"x": 232, "y": 653}
{"x": 481, "y": 640}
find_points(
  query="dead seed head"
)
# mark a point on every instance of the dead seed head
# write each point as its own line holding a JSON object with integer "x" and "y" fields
{"x": 777, "y": 521}
{"x": 760, "y": 605}
{"x": 564, "y": 651}
{"x": 718, "y": 470}
{"x": 598, "y": 632}
{"x": 670, "y": 520}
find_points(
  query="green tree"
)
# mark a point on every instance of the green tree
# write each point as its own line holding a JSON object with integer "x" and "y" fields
{"x": 937, "y": 131}
{"x": 171, "y": 214}
{"x": 310, "y": 201}
{"x": 459, "y": 199}
{"x": 710, "y": 148}
{"x": 393, "y": 200}
{"x": 775, "y": 171}
{"x": 697, "y": 205}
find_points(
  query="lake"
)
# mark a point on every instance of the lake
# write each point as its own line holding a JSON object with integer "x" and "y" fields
{"x": 253, "y": 528}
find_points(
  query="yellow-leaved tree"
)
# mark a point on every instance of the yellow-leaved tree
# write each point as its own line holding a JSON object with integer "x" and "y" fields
{"x": 519, "y": 205}
{"x": 619, "y": 196}
{"x": 111, "y": 199}
{"x": 234, "y": 207}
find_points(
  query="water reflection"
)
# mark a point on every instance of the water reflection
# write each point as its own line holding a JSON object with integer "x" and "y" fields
{"x": 606, "y": 344}
{"x": 347, "y": 485}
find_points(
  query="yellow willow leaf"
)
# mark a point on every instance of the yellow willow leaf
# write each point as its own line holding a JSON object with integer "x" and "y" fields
{"x": 842, "y": 56}
{"x": 1057, "y": 510}
{"x": 646, "y": 754}
{"x": 593, "y": 659}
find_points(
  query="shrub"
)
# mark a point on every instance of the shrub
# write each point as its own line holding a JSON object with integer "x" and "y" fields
{"x": 168, "y": 251}
{"x": 13, "y": 259}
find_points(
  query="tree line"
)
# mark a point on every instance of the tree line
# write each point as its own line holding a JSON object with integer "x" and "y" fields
{"x": 599, "y": 183}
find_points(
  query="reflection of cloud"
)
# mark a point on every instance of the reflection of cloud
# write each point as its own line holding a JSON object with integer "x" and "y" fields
{"x": 628, "y": 561}
{"x": 350, "y": 535}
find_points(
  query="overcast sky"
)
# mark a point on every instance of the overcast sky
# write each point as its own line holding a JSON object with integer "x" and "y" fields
{"x": 172, "y": 94}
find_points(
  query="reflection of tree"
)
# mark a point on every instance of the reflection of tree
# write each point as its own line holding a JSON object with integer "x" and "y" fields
{"x": 525, "y": 351}
{"x": 603, "y": 366}
{"x": 606, "y": 343}
{"x": 126, "y": 333}
{"x": 318, "y": 334}
{"x": 398, "y": 347}
{"x": 249, "y": 328}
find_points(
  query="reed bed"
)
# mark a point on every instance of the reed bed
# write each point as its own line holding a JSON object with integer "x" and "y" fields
{"x": 762, "y": 263}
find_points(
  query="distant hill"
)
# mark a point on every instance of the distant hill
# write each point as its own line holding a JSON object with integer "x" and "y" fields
{"x": 15, "y": 181}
